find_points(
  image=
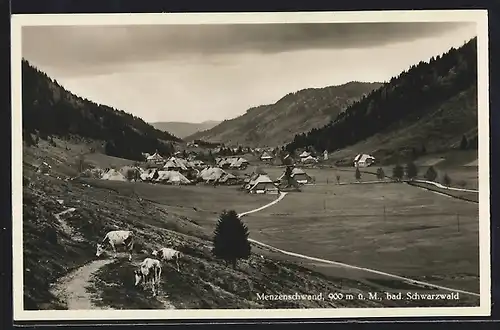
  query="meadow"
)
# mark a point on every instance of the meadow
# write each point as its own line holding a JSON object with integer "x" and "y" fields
{"x": 390, "y": 227}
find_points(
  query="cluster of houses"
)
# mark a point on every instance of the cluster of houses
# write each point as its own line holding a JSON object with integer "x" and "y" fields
{"x": 237, "y": 163}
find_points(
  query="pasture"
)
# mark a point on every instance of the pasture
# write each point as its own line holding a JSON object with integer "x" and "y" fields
{"x": 198, "y": 198}
{"x": 423, "y": 235}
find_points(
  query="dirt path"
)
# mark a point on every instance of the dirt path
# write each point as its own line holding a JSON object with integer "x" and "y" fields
{"x": 66, "y": 227}
{"x": 373, "y": 271}
{"x": 72, "y": 288}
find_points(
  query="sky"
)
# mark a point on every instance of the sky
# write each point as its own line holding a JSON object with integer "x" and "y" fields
{"x": 194, "y": 73}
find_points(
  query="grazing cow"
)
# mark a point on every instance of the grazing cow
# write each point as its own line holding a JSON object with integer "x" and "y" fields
{"x": 149, "y": 272}
{"x": 168, "y": 254}
{"x": 114, "y": 238}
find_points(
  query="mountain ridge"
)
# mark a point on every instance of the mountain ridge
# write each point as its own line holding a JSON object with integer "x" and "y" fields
{"x": 277, "y": 123}
{"x": 432, "y": 105}
{"x": 49, "y": 109}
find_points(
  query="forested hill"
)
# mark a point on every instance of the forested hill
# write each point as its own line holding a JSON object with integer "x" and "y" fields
{"x": 276, "y": 124}
{"x": 438, "y": 91}
{"x": 49, "y": 109}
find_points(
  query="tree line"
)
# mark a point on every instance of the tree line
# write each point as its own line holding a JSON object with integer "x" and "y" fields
{"x": 49, "y": 109}
{"x": 412, "y": 93}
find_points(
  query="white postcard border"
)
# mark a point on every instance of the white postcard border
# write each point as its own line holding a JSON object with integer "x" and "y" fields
{"x": 477, "y": 16}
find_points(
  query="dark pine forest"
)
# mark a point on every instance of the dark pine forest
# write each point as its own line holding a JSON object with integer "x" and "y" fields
{"x": 415, "y": 92}
{"x": 49, "y": 109}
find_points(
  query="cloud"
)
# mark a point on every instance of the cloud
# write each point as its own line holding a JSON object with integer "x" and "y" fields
{"x": 98, "y": 49}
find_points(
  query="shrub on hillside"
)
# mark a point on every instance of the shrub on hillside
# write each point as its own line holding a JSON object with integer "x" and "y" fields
{"x": 398, "y": 172}
{"x": 357, "y": 174}
{"x": 231, "y": 238}
{"x": 446, "y": 180}
{"x": 431, "y": 174}
{"x": 411, "y": 171}
{"x": 380, "y": 173}
{"x": 464, "y": 143}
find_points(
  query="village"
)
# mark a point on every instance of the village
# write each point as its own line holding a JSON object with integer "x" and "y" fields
{"x": 185, "y": 168}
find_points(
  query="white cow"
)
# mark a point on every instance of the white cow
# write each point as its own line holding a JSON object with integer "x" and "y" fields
{"x": 114, "y": 238}
{"x": 168, "y": 254}
{"x": 149, "y": 272}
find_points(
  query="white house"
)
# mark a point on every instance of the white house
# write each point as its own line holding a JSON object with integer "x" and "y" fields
{"x": 266, "y": 157}
{"x": 299, "y": 175}
{"x": 263, "y": 185}
{"x": 155, "y": 160}
{"x": 309, "y": 159}
{"x": 363, "y": 160}
{"x": 304, "y": 154}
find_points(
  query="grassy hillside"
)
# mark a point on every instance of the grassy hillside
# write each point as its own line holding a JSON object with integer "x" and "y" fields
{"x": 427, "y": 108}
{"x": 276, "y": 124}
{"x": 49, "y": 109}
{"x": 435, "y": 132}
{"x": 182, "y": 129}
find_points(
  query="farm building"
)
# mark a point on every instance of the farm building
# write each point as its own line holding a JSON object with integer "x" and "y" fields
{"x": 266, "y": 157}
{"x": 149, "y": 175}
{"x": 171, "y": 177}
{"x": 228, "y": 179}
{"x": 114, "y": 175}
{"x": 212, "y": 174}
{"x": 155, "y": 160}
{"x": 198, "y": 163}
{"x": 304, "y": 155}
{"x": 263, "y": 185}
{"x": 298, "y": 175}
{"x": 239, "y": 163}
{"x": 363, "y": 160}
{"x": 309, "y": 160}
{"x": 181, "y": 165}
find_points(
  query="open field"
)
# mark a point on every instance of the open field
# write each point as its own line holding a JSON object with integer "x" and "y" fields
{"x": 198, "y": 198}
{"x": 423, "y": 236}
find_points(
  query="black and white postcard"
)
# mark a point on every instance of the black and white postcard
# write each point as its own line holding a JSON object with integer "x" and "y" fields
{"x": 252, "y": 165}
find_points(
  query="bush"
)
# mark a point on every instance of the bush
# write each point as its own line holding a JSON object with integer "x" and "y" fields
{"x": 398, "y": 172}
{"x": 431, "y": 174}
{"x": 380, "y": 173}
{"x": 132, "y": 174}
{"x": 231, "y": 238}
{"x": 411, "y": 171}
{"x": 464, "y": 143}
{"x": 446, "y": 180}
{"x": 357, "y": 174}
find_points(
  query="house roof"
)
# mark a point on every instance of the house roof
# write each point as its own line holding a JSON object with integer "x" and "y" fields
{"x": 304, "y": 154}
{"x": 113, "y": 175}
{"x": 265, "y": 155}
{"x": 155, "y": 156}
{"x": 261, "y": 179}
{"x": 363, "y": 157}
{"x": 295, "y": 171}
{"x": 172, "y": 177}
{"x": 309, "y": 158}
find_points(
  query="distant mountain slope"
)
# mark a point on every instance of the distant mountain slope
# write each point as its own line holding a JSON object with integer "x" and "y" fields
{"x": 430, "y": 106}
{"x": 182, "y": 129}
{"x": 49, "y": 109}
{"x": 277, "y": 124}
